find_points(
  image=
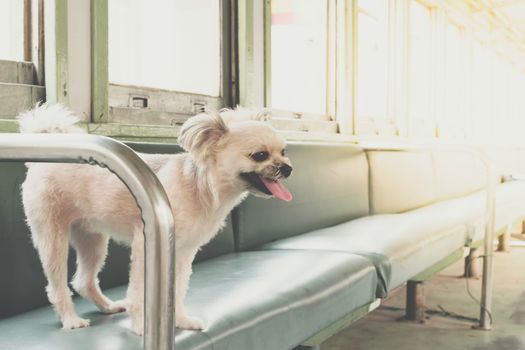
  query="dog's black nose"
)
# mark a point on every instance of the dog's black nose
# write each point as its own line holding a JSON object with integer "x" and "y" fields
{"x": 286, "y": 170}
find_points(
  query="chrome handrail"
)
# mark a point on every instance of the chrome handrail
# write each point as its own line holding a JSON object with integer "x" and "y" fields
{"x": 159, "y": 232}
{"x": 492, "y": 179}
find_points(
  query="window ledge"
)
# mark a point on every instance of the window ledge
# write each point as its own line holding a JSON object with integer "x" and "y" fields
{"x": 164, "y": 134}
{"x": 168, "y": 134}
{"x": 133, "y": 132}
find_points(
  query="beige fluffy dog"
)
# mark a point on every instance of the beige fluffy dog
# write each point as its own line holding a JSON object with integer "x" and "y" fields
{"x": 227, "y": 157}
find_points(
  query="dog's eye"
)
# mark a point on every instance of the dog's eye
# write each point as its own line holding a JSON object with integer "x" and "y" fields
{"x": 260, "y": 156}
{"x": 283, "y": 152}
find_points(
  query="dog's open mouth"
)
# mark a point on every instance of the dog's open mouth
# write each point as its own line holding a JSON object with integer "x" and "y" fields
{"x": 268, "y": 186}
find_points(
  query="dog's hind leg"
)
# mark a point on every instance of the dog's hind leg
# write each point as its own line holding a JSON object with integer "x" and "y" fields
{"x": 52, "y": 244}
{"x": 91, "y": 251}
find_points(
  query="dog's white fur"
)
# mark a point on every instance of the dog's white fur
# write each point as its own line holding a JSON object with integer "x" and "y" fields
{"x": 86, "y": 205}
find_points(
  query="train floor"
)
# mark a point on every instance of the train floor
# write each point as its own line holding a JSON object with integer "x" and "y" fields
{"x": 450, "y": 313}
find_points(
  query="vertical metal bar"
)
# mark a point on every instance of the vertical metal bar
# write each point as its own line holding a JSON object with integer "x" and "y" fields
{"x": 99, "y": 61}
{"x": 28, "y": 31}
{"x": 488, "y": 269}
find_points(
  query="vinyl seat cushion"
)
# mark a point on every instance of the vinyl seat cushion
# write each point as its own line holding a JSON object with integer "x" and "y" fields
{"x": 246, "y": 300}
{"x": 470, "y": 209}
{"x": 399, "y": 245}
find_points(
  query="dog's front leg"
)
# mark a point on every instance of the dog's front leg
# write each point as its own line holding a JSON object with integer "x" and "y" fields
{"x": 135, "y": 294}
{"x": 184, "y": 259}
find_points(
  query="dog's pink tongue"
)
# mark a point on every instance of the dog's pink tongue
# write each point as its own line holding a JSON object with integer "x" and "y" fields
{"x": 277, "y": 188}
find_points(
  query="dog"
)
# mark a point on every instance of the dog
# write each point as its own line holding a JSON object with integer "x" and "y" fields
{"x": 229, "y": 154}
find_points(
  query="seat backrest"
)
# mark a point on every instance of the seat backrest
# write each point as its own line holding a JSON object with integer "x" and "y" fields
{"x": 329, "y": 184}
{"x": 400, "y": 181}
{"x": 457, "y": 174}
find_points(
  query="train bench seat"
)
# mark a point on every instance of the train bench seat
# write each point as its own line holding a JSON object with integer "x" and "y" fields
{"x": 282, "y": 274}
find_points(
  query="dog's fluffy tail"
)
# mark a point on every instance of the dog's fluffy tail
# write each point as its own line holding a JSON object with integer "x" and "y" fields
{"x": 49, "y": 118}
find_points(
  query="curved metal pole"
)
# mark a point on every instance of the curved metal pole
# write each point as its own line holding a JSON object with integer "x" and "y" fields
{"x": 159, "y": 233}
{"x": 490, "y": 211}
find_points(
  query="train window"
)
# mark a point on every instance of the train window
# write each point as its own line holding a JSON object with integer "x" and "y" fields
{"x": 481, "y": 91}
{"x": 21, "y": 57}
{"x": 299, "y": 55}
{"x": 372, "y": 64}
{"x": 496, "y": 96}
{"x": 167, "y": 54}
{"x": 422, "y": 121}
{"x": 411, "y": 68}
{"x": 452, "y": 120}
{"x": 300, "y": 77}
{"x": 501, "y": 97}
{"x": 515, "y": 88}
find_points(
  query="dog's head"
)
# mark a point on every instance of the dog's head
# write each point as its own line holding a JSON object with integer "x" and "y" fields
{"x": 246, "y": 153}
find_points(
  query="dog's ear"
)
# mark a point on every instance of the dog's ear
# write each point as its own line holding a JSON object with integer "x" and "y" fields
{"x": 199, "y": 134}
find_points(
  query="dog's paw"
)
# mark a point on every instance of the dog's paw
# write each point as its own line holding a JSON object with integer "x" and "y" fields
{"x": 115, "y": 307}
{"x": 74, "y": 323}
{"x": 190, "y": 323}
